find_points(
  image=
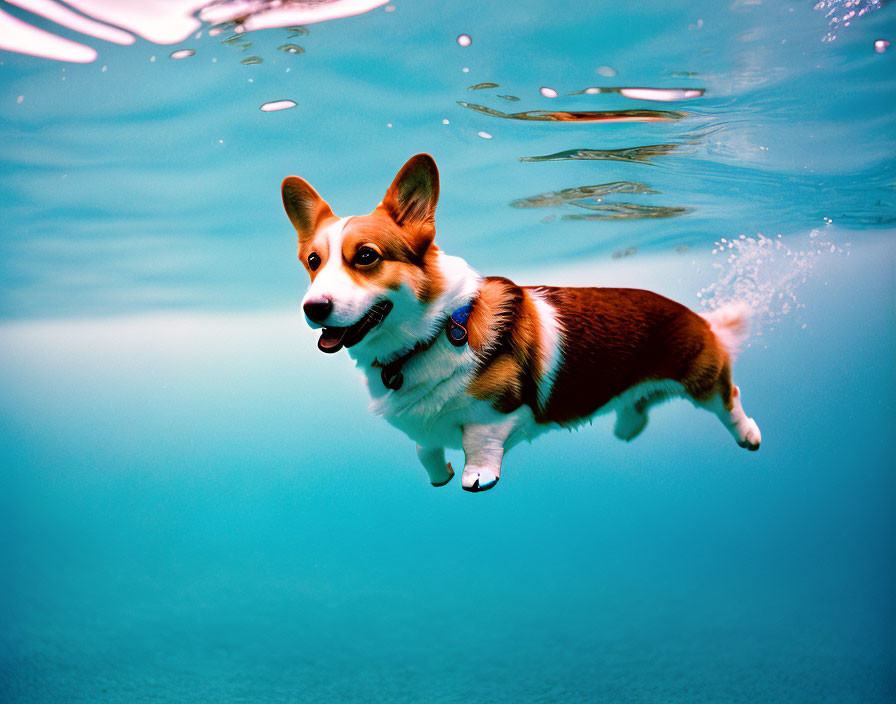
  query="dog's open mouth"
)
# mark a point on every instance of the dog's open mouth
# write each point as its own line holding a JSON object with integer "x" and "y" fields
{"x": 333, "y": 339}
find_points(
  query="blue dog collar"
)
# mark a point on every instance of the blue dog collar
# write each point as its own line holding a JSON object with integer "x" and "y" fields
{"x": 456, "y": 326}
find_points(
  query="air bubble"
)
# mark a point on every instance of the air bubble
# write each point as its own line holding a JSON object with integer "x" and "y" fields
{"x": 180, "y": 54}
{"x": 251, "y": 60}
{"x": 484, "y": 135}
{"x": 765, "y": 274}
{"x": 607, "y": 71}
{"x": 881, "y": 45}
{"x": 277, "y": 105}
{"x": 464, "y": 40}
{"x": 548, "y": 92}
{"x": 291, "y": 48}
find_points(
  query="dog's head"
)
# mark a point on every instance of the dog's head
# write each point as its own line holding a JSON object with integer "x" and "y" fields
{"x": 370, "y": 274}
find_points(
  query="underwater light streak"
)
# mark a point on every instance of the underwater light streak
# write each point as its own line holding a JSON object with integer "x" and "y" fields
{"x": 251, "y": 15}
{"x": 22, "y": 38}
{"x": 157, "y": 21}
{"x": 63, "y": 16}
{"x": 656, "y": 94}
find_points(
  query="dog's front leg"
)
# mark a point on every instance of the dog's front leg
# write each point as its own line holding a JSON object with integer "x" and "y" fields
{"x": 484, "y": 451}
{"x": 433, "y": 461}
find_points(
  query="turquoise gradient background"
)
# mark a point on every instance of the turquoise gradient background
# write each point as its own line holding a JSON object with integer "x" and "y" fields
{"x": 195, "y": 504}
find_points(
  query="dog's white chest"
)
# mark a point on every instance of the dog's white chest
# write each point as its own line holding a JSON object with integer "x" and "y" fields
{"x": 432, "y": 405}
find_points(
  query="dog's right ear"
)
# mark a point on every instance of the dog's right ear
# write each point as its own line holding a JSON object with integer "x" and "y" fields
{"x": 305, "y": 208}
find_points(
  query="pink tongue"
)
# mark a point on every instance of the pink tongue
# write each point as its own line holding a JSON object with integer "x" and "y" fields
{"x": 331, "y": 337}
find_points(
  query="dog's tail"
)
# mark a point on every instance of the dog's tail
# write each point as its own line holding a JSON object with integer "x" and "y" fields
{"x": 731, "y": 326}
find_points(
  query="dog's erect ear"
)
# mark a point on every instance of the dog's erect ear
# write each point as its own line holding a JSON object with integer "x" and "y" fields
{"x": 412, "y": 197}
{"x": 305, "y": 208}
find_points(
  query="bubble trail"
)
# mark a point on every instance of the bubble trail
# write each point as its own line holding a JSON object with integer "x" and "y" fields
{"x": 765, "y": 273}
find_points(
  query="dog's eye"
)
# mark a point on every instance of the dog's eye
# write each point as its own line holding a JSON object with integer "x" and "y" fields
{"x": 313, "y": 261}
{"x": 365, "y": 256}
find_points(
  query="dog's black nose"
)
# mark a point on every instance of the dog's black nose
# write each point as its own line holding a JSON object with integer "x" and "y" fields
{"x": 317, "y": 310}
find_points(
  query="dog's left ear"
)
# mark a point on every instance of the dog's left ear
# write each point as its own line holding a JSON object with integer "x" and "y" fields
{"x": 305, "y": 208}
{"x": 411, "y": 199}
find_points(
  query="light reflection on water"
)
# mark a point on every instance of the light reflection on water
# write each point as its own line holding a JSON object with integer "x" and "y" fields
{"x": 770, "y": 145}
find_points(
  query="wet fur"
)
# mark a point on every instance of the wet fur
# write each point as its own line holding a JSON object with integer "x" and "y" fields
{"x": 538, "y": 357}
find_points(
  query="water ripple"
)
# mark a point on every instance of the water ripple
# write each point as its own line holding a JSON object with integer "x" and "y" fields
{"x": 580, "y": 116}
{"x": 626, "y": 211}
{"x": 632, "y": 154}
{"x": 568, "y": 195}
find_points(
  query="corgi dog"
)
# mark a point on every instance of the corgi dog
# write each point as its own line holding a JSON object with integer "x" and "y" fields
{"x": 458, "y": 360}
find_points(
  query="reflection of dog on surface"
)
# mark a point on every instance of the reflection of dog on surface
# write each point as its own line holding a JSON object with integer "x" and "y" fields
{"x": 454, "y": 359}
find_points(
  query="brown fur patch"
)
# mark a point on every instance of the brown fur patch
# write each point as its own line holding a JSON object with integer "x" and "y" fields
{"x": 616, "y": 338}
{"x": 400, "y": 263}
{"x": 612, "y": 340}
{"x": 500, "y": 381}
{"x": 503, "y": 333}
{"x": 491, "y": 313}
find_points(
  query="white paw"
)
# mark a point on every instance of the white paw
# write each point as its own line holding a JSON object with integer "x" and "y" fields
{"x": 478, "y": 479}
{"x": 750, "y": 435}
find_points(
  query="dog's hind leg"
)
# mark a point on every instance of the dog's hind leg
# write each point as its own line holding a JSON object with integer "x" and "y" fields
{"x": 631, "y": 418}
{"x": 731, "y": 413}
{"x": 433, "y": 461}
{"x": 630, "y": 421}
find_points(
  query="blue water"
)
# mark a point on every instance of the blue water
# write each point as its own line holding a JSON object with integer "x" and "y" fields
{"x": 195, "y": 504}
